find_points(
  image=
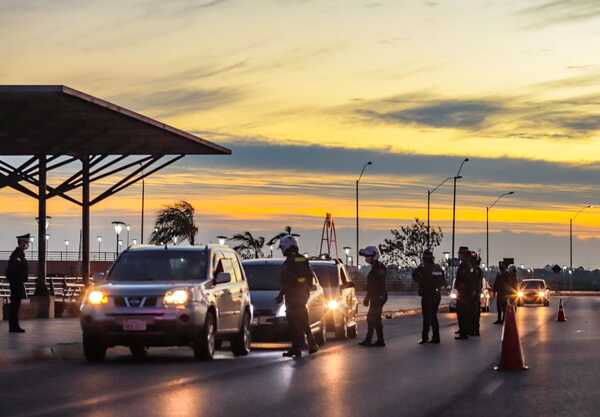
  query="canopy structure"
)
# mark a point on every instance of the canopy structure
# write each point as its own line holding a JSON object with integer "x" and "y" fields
{"x": 54, "y": 126}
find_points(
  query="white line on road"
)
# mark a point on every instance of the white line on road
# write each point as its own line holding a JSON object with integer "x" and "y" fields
{"x": 490, "y": 388}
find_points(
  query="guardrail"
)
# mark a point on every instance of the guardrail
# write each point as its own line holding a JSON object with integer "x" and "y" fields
{"x": 64, "y": 289}
{"x": 63, "y": 256}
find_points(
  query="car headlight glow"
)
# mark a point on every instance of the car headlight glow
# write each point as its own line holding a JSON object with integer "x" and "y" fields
{"x": 176, "y": 297}
{"x": 542, "y": 294}
{"x": 332, "y": 304}
{"x": 520, "y": 294}
{"x": 281, "y": 311}
{"x": 481, "y": 295}
{"x": 453, "y": 295}
{"x": 97, "y": 297}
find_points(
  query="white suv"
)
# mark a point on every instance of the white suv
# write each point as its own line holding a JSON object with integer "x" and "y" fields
{"x": 169, "y": 296}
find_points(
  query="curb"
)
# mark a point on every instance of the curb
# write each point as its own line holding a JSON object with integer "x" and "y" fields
{"x": 59, "y": 351}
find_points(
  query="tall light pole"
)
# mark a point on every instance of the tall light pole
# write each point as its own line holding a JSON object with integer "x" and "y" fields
{"x": 67, "y": 249}
{"x": 357, "y": 223}
{"x": 429, "y": 192}
{"x": 99, "y": 238}
{"x": 128, "y": 228}
{"x": 347, "y": 250}
{"x": 487, "y": 226}
{"x": 571, "y": 220}
{"x": 456, "y": 177}
{"x": 118, "y": 225}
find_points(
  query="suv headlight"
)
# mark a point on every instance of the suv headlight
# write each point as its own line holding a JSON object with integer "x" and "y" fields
{"x": 332, "y": 304}
{"x": 176, "y": 297}
{"x": 454, "y": 294}
{"x": 520, "y": 294}
{"x": 281, "y": 311}
{"x": 97, "y": 297}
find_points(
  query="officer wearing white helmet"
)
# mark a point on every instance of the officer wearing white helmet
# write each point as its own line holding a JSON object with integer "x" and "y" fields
{"x": 296, "y": 283}
{"x": 376, "y": 295}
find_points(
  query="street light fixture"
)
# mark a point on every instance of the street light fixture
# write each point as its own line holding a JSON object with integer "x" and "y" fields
{"x": 272, "y": 247}
{"x": 134, "y": 241}
{"x": 118, "y": 225}
{"x": 67, "y": 247}
{"x": 223, "y": 239}
{"x": 429, "y": 192}
{"x": 99, "y": 238}
{"x": 362, "y": 172}
{"x": 487, "y": 225}
{"x": 571, "y": 220}
{"x": 347, "y": 250}
{"x": 128, "y": 228}
{"x": 455, "y": 178}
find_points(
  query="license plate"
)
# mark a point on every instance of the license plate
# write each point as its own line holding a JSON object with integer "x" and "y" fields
{"x": 134, "y": 325}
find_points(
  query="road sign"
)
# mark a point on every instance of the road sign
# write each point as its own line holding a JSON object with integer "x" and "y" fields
{"x": 556, "y": 269}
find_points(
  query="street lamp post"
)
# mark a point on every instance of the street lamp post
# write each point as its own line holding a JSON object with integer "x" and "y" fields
{"x": 99, "y": 238}
{"x": 128, "y": 228}
{"x": 429, "y": 192}
{"x": 67, "y": 250}
{"x": 455, "y": 178}
{"x": 487, "y": 225}
{"x": 118, "y": 225}
{"x": 347, "y": 250}
{"x": 222, "y": 240}
{"x": 571, "y": 220}
{"x": 357, "y": 217}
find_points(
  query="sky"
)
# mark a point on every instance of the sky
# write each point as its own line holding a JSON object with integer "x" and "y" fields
{"x": 305, "y": 92}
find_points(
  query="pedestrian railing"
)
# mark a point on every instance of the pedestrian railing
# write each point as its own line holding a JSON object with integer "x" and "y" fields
{"x": 64, "y": 289}
{"x": 63, "y": 256}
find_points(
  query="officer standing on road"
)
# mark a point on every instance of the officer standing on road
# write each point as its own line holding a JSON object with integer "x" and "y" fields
{"x": 502, "y": 291}
{"x": 430, "y": 278}
{"x": 17, "y": 273}
{"x": 376, "y": 296}
{"x": 296, "y": 284}
{"x": 478, "y": 285}
{"x": 465, "y": 286}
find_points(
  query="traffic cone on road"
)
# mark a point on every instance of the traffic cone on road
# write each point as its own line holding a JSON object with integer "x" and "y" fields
{"x": 512, "y": 352}
{"x": 561, "y": 312}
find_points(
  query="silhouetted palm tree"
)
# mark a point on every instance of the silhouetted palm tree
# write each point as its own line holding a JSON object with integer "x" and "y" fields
{"x": 286, "y": 232}
{"x": 249, "y": 247}
{"x": 175, "y": 221}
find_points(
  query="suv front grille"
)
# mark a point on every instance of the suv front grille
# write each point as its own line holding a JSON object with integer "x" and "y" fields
{"x": 136, "y": 301}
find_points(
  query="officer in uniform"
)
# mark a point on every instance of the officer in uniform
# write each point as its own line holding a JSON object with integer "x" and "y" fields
{"x": 465, "y": 286}
{"x": 430, "y": 278}
{"x": 376, "y": 296}
{"x": 17, "y": 273}
{"x": 296, "y": 284}
{"x": 478, "y": 285}
{"x": 502, "y": 289}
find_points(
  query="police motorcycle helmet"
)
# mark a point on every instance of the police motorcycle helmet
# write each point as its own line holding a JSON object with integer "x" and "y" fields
{"x": 288, "y": 243}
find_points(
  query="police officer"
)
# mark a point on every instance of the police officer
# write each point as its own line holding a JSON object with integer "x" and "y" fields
{"x": 465, "y": 286}
{"x": 430, "y": 278}
{"x": 502, "y": 289}
{"x": 376, "y": 296}
{"x": 478, "y": 285}
{"x": 17, "y": 273}
{"x": 296, "y": 284}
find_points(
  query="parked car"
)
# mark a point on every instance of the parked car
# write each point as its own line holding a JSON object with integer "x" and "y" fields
{"x": 342, "y": 304}
{"x": 533, "y": 291}
{"x": 169, "y": 296}
{"x": 484, "y": 298}
{"x": 270, "y": 323}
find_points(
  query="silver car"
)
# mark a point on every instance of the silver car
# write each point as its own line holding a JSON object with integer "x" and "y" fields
{"x": 169, "y": 296}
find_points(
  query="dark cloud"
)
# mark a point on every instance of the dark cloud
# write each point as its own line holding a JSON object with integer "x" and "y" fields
{"x": 561, "y": 11}
{"x": 200, "y": 72}
{"x": 173, "y": 102}
{"x": 461, "y": 114}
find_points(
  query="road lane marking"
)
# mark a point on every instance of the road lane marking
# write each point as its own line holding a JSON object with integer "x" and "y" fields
{"x": 490, "y": 388}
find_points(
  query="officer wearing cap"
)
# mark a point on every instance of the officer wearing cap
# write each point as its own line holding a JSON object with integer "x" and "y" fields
{"x": 376, "y": 296}
{"x": 478, "y": 285}
{"x": 17, "y": 273}
{"x": 430, "y": 278}
{"x": 503, "y": 290}
{"x": 466, "y": 293}
{"x": 296, "y": 284}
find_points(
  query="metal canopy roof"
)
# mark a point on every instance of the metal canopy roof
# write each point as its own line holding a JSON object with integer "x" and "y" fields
{"x": 55, "y": 119}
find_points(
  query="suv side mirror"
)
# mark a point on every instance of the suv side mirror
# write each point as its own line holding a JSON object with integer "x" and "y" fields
{"x": 223, "y": 278}
{"x": 348, "y": 284}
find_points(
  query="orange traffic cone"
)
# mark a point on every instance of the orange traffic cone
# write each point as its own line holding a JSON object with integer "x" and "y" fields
{"x": 512, "y": 352}
{"x": 561, "y": 312}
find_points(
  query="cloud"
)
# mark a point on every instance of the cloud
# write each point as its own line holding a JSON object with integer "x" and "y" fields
{"x": 556, "y": 12}
{"x": 200, "y": 72}
{"x": 168, "y": 103}
{"x": 461, "y": 114}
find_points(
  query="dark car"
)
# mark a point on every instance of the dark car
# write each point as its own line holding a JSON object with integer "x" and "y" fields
{"x": 533, "y": 291}
{"x": 342, "y": 304}
{"x": 269, "y": 323}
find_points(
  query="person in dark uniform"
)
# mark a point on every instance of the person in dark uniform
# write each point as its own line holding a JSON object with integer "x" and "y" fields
{"x": 430, "y": 278}
{"x": 376, "y": 296}
{"x": 478, "y": 285}
{"x": 296, "y": 284}
{"x": 505, "y": 286}
{"x": 17, "y": 273}
{"x": 465, "y": 286}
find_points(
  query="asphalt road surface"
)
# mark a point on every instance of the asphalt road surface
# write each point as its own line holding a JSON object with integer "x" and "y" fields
{"x": 343, "y": 380}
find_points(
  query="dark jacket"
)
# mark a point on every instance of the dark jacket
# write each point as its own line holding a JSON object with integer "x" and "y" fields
{"x": 430, "y": 278}
{"x": 296, "y": 281}
{"x": 376, "y": 290}
{"x": 17, "y": 273}
{"x": 466, "y": 285}
{"x": 478, "y": 279}
{"x": 505, "y": 284}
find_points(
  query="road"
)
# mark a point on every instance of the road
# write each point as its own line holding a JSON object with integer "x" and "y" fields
{"x": 343, "y": 380}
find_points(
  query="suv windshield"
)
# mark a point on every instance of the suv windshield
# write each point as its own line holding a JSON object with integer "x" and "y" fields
{"x": 167, "y": 265}
{"x": 263, "y": 277}
{"x": 533, "y": 285}
{"x": 327, "y": 275}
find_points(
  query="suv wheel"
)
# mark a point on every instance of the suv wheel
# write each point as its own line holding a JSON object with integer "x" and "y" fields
{"x": 321, "y": 336}
{"x": 93, "y": 349}
{"x": 341, "y": 332}
{"x": 241, "y": 343}
{"x": 204, "y": 344}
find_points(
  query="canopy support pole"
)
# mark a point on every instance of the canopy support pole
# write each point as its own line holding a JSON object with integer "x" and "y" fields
{"x": 85, "y": 219}
{"x": 40, "y": 285}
